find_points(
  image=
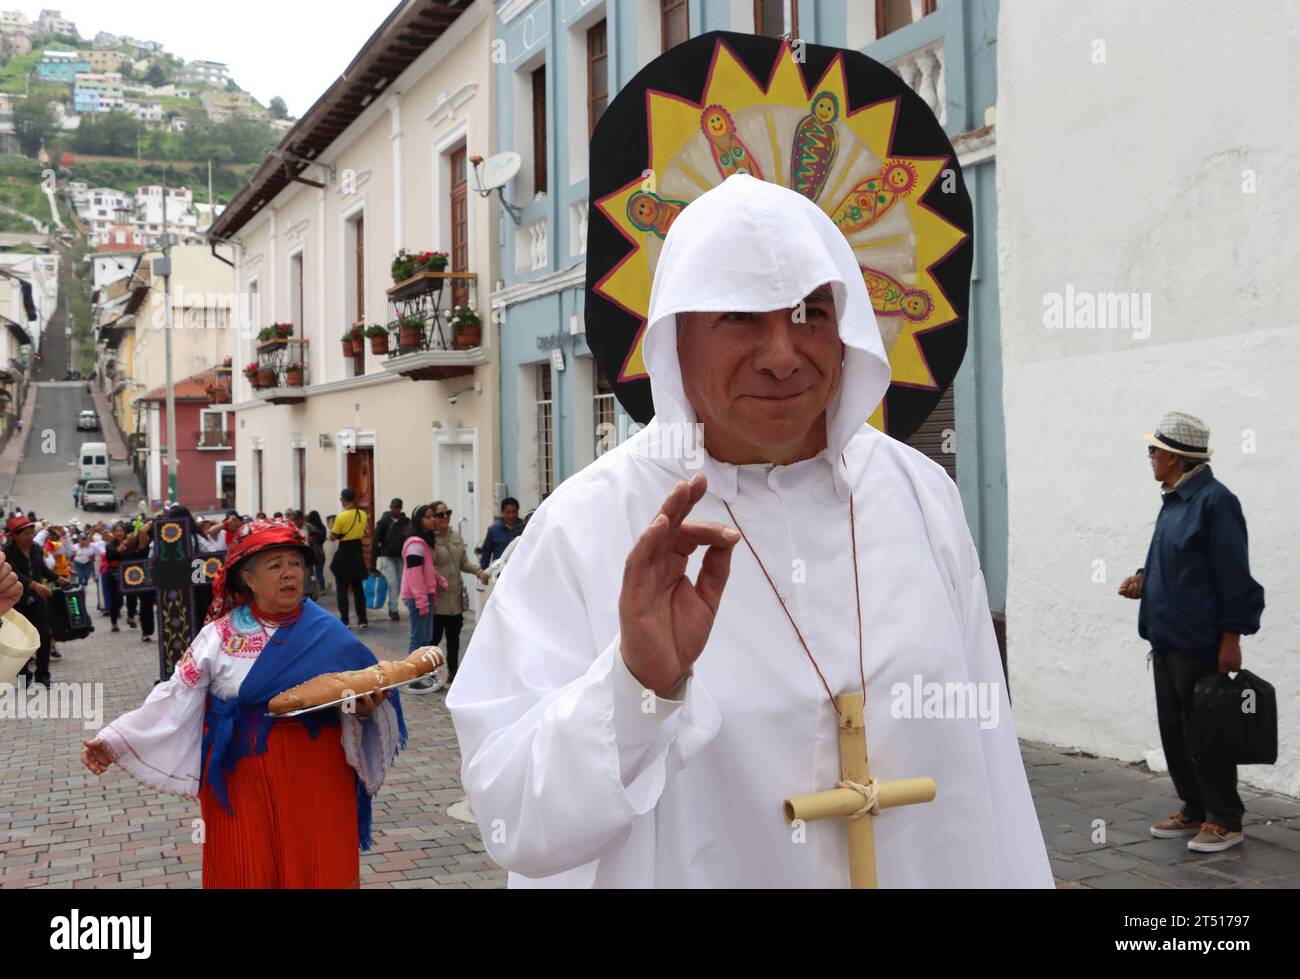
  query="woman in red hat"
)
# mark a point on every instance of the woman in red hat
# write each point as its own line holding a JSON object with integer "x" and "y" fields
{"x": 285, "y": 802}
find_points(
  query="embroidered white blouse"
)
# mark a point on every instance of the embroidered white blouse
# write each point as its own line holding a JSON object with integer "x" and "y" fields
{"x": 160, "y": 742}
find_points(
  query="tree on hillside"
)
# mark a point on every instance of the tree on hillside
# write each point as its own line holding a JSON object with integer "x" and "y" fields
{"x": 156, "y": 147}
{"x": 112, "y": 135}
{"x": 234, "y": 141}
{"x": 34, "y": 124}
{"x": 278, "y": 109}
{"x": 156, "y": 75}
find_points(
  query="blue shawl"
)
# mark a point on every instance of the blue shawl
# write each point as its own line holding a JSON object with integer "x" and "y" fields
{"x": 316, "y": 643}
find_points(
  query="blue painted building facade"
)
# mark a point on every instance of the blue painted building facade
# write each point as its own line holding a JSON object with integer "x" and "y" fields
{"x": 553, "y": 416}
{"x": 61, "y": 70}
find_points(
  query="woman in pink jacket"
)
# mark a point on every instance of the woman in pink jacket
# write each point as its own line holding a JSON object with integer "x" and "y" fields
{"x": 420, "y": 585}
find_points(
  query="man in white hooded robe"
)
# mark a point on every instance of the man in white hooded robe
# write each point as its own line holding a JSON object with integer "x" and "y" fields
{"x": 580, "y": 775}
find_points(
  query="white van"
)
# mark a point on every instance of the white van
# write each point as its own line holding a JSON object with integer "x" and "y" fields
{"x": 93, "y": 461}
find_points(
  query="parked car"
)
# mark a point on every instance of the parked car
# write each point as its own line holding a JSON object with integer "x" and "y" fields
{"x": 98, "y": 494}
{"x": 88, "y": 421}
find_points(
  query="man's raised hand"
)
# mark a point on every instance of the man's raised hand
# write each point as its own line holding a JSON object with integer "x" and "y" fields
{"x": 665, "y": 618}
{"x": 11, "y": 588}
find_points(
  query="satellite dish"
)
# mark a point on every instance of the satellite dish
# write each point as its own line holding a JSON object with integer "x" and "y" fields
{"x": 497, "y": 170}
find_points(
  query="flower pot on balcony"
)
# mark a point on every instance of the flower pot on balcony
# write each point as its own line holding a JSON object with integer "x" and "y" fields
{"x": 379, "y": 345}
{"x": 347, "y": 347}
{"x": 293, "y": 377}
{"x": 265, "y": 378}
{"x": 410, "y": 336}
{"x": 467, "y": 336}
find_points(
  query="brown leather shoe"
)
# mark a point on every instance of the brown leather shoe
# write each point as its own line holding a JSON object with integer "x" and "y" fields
{"x": 1212, "y": 838}
{"x": 1175, "y": 826}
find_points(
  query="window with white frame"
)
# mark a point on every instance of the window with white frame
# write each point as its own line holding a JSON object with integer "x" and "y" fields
{"x": 212, "y": 433}
{"x": 604, "y": 414}
{"x": 545, "y": 431}
{"x": 354, "y": 286}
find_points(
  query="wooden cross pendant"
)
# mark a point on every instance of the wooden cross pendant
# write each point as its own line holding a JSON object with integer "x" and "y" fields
{"x": 845, "y": 802}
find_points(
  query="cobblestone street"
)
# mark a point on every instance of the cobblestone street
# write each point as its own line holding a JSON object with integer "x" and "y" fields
{"x": 60, "y": 826}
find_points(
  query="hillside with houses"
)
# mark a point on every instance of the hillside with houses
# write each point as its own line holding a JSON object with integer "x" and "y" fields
{"x": 120, "y": 117}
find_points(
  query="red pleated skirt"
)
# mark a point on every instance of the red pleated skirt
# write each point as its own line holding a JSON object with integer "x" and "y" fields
{"x": 294, "y": 821}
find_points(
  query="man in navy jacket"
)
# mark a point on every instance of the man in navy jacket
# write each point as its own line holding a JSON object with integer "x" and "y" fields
{"x": 1198, "y": 600}
{"x": 501, "y": 533}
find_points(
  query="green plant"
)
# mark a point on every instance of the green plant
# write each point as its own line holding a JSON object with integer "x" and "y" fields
{"x": 404, "y": 266}
{"x": 267, "y": 333}
{"x": 358, "y": 331}
{"x": 376, "y": 330}
{"x": 464, "y": 316}
{"x": 411, "y": 323}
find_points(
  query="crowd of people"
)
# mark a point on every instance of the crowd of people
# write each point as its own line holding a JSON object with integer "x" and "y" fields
{"x": 49, "y": 556}
{"x": 421, "y": 558}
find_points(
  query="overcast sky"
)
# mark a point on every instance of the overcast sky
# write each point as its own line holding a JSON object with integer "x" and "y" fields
{"x": 273, "y": 47}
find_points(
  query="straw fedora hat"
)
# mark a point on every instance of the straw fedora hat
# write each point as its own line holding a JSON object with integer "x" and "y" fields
{"x": 1182, "y": 434}
{"x": 19, "y": 641}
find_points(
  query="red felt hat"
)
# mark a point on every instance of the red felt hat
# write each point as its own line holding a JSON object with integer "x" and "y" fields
{"x": 16, "y": 524}
{"x": 252, "y": 538}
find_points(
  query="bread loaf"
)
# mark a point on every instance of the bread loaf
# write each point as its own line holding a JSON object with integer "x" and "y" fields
{"x": 329, "y": 687}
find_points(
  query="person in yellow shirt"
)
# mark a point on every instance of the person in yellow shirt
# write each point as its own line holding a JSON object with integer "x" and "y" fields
{"x": 349, "y": 564}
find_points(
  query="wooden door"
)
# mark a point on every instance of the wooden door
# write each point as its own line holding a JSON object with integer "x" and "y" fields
{"x": 361, "y": 477}
{"x": 301, "y": 459}
{"x": 459, "y": 227}
{"x": 258, "y": 504}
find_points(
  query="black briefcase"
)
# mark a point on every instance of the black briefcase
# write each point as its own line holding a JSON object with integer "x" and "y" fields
{"x": 69, "y": 619}
{"x": 1233, "y": 720}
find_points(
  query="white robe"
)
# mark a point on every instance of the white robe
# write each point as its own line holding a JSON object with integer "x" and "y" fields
{"x": 160, "y": 742}
{"x": 574, "y": 783}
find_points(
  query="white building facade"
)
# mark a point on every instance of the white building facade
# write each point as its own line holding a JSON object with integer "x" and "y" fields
{"x": 1147, "y": 264}
{"x": 420, "y": 425}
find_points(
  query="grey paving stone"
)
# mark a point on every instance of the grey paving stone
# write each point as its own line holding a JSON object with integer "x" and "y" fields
{"x": 1123, "y": 881}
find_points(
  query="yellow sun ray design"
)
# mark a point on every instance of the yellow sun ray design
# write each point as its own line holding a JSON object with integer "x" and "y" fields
{"x": 739, "y": 124}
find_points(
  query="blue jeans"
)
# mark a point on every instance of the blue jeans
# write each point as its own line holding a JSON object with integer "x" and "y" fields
{"x": 84, "y": 573}
{"x": 421, "y": 625}
{"x": 391, "y": 569}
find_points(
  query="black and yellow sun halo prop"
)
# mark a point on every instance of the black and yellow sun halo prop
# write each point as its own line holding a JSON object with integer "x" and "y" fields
{"x": 833, "y": 125}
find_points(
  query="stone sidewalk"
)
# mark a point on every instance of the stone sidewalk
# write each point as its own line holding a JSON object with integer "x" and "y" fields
{"x": 1073, "y": 792}
{"x": 62, "y": 827}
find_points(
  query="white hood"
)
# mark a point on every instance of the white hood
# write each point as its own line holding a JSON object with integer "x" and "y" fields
{"x": 752, "y": 246}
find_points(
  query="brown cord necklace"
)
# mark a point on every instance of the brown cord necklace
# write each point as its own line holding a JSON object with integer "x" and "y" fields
{"x": 857, "y": 591}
